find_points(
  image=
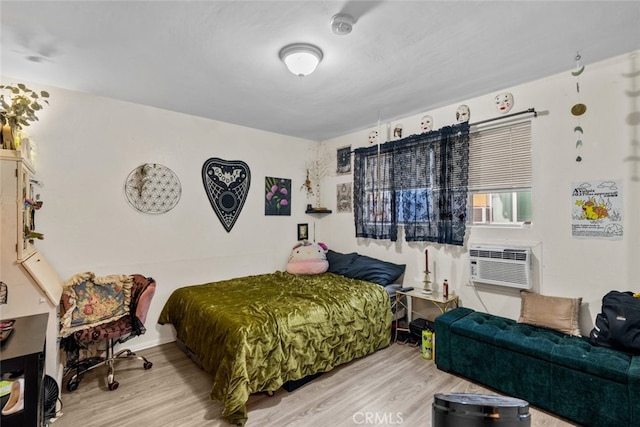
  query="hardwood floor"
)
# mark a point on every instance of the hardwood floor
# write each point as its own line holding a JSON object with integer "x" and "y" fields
{"x": 392, "y": 387}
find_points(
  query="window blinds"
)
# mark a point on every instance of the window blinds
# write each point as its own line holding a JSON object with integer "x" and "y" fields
{"x": 500, "y": 158}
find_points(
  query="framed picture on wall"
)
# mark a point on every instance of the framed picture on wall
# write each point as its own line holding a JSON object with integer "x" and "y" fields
{"x": 277, "y": 196}
{"x": 303, "y": 231}
{"x": 344, "y": 160}
{"x": 343, "y": 202}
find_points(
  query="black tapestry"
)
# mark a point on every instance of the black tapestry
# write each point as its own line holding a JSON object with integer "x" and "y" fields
{"x": 226, "y": 183}
{"x": 419, "y": 182}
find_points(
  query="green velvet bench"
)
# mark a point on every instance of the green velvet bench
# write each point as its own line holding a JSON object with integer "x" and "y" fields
{"x": 561, "y": 374}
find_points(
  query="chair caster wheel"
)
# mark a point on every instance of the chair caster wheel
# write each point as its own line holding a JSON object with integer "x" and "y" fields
{"x": 148, "y": 365}
{"x": 114, "y": 385}
{"x": 72, "y": 385}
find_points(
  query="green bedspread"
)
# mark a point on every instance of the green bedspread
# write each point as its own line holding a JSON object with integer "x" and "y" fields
{"x": 256, "y": 333}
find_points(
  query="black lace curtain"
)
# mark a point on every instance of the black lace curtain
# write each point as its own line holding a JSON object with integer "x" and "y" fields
{"x": 419, "y": 182}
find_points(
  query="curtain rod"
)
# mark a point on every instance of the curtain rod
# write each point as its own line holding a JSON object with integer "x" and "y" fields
{"x": 481, "y": 122}
{"x": 528, "y": 111}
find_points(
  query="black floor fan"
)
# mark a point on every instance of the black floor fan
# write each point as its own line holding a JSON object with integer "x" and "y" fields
{"x": 50, "y": 397}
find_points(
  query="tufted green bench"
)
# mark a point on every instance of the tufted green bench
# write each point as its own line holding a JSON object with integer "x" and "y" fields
{"x": 562, "y": 374}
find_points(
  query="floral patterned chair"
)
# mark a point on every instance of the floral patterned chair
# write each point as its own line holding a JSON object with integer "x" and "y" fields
{"x": 96, "y": 310}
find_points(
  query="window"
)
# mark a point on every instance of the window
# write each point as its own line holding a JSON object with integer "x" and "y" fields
{"x": 513, "y": 207}
{"x": 500, "y": 175}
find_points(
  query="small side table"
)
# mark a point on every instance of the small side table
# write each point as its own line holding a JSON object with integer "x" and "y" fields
{"x": 444, "y": 304}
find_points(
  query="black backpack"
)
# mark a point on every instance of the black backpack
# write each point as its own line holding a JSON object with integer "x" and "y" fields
{"x": 618, "y": 325}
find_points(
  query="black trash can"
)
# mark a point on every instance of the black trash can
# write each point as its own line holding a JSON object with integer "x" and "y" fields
{"x": 479, "y": 410}
{"x": 418, "y": 325}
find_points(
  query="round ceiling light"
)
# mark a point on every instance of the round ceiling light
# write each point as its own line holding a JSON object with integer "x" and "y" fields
{"x": 301, "y": 58}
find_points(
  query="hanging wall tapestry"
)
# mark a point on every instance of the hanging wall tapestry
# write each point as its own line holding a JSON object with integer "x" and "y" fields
{"x": 277, "y": 196}
{"x": 226, "y": 183}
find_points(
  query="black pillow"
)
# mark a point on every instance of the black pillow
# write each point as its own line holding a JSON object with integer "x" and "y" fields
{"x": 340, "y": 263}
{"x": 374, "y": 270}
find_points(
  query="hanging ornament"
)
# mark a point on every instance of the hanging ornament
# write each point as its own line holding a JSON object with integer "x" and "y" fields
{"x": 579, "y": 70}
{"x": 579, "y": 108}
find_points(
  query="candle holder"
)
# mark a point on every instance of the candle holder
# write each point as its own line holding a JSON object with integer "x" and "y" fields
{"x": 426, "y": 288}
{"x": 427, "y": 283}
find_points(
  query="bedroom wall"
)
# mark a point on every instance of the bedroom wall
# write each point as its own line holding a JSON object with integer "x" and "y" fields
{"x": 86, "y": 148}
{"x": 87, "y": 145}
{"x": 564, "y": 266}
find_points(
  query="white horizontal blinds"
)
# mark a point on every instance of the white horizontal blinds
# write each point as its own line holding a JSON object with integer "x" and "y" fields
{"x": 500, "y": 158}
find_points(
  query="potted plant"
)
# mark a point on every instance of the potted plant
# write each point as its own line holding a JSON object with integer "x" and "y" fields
{"x": 17, "y": 109}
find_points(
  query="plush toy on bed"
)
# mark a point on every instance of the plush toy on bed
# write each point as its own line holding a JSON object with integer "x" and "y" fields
{"x": 308, "y": 258}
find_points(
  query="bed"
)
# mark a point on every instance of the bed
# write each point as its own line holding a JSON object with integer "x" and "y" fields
{"x": 256, "y": 333}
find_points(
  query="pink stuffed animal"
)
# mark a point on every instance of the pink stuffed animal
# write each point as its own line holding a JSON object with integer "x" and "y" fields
{"x": 308, "y": 258}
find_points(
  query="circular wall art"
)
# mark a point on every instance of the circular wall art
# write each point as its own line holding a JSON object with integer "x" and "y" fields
{"x": 152, "y": 188}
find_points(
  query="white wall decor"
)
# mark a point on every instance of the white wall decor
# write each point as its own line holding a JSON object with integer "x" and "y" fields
{"x": 152, "y": 188}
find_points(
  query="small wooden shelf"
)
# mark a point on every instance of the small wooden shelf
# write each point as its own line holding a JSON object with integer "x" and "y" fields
{"x": 318, "y": 211}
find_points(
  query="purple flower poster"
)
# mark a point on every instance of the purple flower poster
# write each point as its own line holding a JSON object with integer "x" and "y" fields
{"x": 277, "y": 196}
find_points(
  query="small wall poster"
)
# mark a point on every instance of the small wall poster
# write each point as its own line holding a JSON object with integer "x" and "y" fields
{"x": 343, "y": 202}
{"x": 597, "y": 210}
{"x": 344, "y": 160}
{"x": 277, "y": 196}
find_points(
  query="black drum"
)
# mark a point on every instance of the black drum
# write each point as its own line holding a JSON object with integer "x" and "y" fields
{"x": 479, "y": 410}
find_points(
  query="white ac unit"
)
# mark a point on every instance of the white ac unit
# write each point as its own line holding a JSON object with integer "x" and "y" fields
{"x": 503, "y": 266}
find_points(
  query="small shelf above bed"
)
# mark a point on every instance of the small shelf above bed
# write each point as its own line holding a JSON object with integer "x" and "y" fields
{"x": 318, "y": 211}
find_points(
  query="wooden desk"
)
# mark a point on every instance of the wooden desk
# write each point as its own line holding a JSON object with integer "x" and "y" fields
{"x": 24, "y": 350}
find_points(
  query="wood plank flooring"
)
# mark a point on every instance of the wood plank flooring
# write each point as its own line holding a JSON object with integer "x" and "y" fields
{"x": 392, "y": 387}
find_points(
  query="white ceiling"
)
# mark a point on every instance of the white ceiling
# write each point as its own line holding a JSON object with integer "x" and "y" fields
{"x": 219, "y": 59}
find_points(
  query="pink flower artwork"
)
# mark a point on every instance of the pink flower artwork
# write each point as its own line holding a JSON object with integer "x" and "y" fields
{"x": 277, "y": 196}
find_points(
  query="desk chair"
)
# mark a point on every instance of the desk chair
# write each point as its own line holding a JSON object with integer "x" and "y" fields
{"x": 111, "y": 332}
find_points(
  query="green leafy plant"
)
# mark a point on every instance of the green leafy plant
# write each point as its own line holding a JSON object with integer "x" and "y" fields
{"x": 21, "y": 105}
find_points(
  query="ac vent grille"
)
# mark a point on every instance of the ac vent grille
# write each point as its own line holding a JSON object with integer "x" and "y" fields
{"x": 516, "y": 255}
{"x": 501, "y": 266}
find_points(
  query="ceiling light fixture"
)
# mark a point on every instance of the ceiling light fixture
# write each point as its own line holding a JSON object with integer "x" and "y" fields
{"x": 301, "y": 58}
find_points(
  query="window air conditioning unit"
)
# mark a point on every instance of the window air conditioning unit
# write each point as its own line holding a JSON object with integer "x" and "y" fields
{"x": 503, "y": 266}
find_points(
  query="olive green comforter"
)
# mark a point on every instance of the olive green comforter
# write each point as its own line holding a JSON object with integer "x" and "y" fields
{"x": 256, "y": 333}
